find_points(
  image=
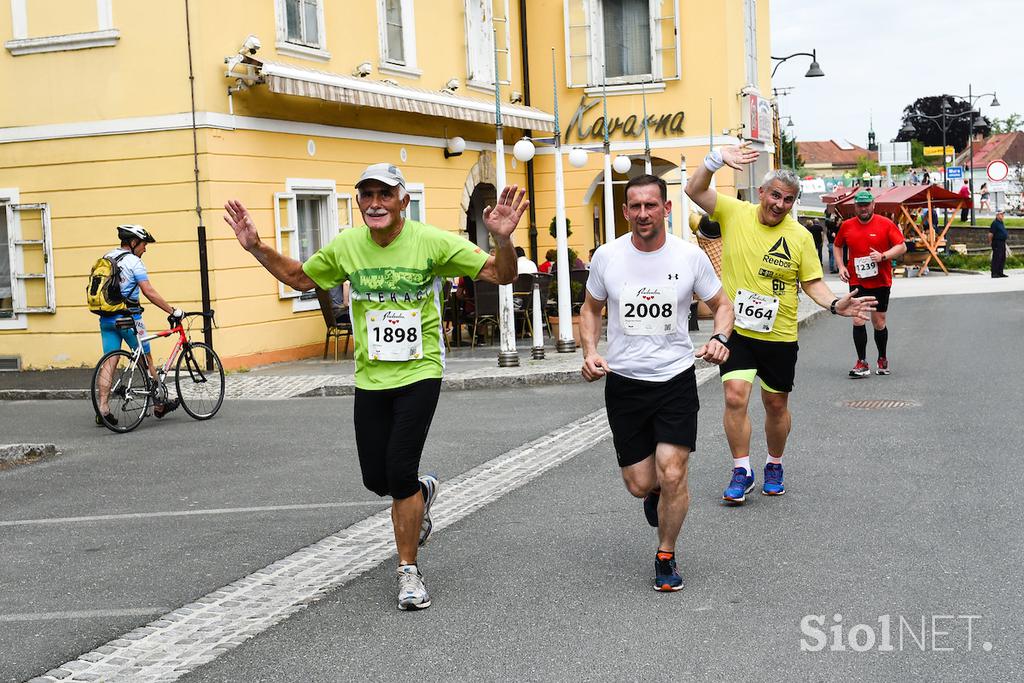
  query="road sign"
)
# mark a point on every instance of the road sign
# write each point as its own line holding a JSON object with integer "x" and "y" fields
{"x": 937, "y": 151}
{"x": 955, "y": 173}
{"x": 894, "y": 153}
{"x": 997, "y": 170}
{"x": 1001, "y": 186}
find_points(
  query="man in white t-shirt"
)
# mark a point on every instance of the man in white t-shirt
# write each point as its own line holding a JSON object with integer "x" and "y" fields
{"x": 647, "y": 280}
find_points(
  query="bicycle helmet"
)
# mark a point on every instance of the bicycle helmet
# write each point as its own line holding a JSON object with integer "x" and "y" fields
{"x": 130, "y": 231}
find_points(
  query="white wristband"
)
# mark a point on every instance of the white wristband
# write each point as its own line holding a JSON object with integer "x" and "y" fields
{"x": 713, "y": 161}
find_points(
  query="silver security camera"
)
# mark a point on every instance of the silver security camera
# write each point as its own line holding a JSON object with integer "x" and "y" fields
{"x": 251, "y": 45}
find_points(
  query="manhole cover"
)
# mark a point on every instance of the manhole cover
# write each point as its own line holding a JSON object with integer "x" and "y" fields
{"x": 881, "y": 404}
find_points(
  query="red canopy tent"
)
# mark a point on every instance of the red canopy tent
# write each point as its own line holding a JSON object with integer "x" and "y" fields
{"x": 904, "y": 204}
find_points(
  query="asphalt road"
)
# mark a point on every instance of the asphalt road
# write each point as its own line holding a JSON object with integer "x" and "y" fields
{"x": 891, "y": 515}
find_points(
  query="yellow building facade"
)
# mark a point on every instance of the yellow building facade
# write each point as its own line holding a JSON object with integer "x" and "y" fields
{"x": 158, "y": 113}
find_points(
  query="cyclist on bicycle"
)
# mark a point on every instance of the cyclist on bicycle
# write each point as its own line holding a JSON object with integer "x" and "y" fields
{"x": 395, "y": 266}
{"x": 134, "y": 278}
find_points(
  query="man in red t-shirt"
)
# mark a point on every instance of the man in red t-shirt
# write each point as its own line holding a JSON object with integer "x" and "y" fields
{"x": 872, "y": 243}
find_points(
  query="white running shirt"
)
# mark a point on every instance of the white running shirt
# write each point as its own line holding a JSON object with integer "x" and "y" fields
{"x": 644, "y": 291}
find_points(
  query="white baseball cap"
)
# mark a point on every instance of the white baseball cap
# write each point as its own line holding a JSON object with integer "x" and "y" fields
{"x": 389, "y": 174}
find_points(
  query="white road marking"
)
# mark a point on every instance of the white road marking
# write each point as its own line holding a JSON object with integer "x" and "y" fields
{"x": 187, "y": 513}
{"x": 197, "y": 633}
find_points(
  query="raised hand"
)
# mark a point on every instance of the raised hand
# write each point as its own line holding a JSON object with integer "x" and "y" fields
{"x": 502, "y": 219}
{"x": 738, "y": 156}
{"x": 241, "y": 222}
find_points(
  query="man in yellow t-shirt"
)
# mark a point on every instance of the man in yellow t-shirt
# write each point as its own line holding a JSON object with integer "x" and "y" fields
{"x": 766, "y": 254}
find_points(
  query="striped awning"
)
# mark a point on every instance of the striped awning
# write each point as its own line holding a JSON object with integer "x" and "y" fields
{"x": 286, "y": 79}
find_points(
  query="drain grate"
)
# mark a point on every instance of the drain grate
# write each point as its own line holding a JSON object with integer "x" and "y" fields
{"x": 10, "y": 363}
{"x": 881, "y": 404}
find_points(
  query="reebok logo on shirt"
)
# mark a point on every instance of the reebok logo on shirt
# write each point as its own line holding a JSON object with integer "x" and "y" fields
{"x": 779, "y": 254}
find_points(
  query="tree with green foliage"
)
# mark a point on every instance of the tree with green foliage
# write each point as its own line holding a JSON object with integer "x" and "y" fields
{"x": 786, "y": 145}
{"x": 866, "y": 163}
{"x": 1010, "y": 124}
{"x": 925, "y": 115}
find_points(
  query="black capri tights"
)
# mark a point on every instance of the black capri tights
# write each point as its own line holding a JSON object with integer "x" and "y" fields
{"x": 391, "y": 428}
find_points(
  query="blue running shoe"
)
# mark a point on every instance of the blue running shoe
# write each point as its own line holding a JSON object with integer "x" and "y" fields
{"x": 773, "y": 480}
{"x": 666, "y": 576}
{"x": 651, "y": 507}
{"x": 428, "y": 487}
{"x": 738, "y": 488}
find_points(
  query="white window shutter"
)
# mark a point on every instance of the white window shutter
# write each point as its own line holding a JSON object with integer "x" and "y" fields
{"x": 480, "y": 41}
{"x": 665, "y": 52}
{"x": 579, "y": 71}
{"x": 286, "y": 220}
{"x": 31, "y": 254}
{"x": 503, "y": 33}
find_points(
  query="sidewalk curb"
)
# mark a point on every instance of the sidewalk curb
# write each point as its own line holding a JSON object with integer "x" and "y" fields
{"x": 506, "y": 378}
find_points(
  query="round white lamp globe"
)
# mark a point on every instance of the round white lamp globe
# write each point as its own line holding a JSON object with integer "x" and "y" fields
{"x": 456, "y": 145}
{"x": 622, "y": 164}
{"x": 577, "y": 157}
{"x": 524, "y": 150}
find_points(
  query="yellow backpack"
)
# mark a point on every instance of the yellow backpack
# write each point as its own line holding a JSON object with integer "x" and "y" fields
{"x": 103, "y": 291}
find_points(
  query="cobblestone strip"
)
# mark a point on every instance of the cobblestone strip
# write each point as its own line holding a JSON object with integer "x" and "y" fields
{"x": 182, "y": 640}
{"x": 271, "y": 387}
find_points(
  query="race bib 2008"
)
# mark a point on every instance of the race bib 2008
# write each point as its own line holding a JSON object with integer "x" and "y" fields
{"x": 648, "y": 310}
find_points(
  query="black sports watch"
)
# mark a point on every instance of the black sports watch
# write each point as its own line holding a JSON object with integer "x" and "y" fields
{"x": 720, "y": 338}
{"x": 832, "y": 306}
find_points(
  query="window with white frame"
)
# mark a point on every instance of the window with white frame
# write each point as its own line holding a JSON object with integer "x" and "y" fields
{"x": 300, "y": 28}
{"x": 102, "y": 34}
{"x": 750, "y": 40}
{"x": 26, "y": 267}
{"x": 416, "y": 210}
{"x": 307, "y": 217}
{"x": 621, "y": 42}
{"x": 488, "y": 43}
{"x": 6, "y": 284}
{"x": 396, "y": 21}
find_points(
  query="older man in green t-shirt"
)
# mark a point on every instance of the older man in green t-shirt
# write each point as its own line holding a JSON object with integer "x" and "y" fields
{"x": 395, "y": 267}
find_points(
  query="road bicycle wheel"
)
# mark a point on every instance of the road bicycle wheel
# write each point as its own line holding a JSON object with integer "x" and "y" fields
{"x": 199, "y": 380}
{"x": 126, "y": 386}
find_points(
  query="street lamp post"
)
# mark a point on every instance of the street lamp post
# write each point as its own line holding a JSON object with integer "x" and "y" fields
{"x": 971, "y": 98}
{"x": 813, "y": 72}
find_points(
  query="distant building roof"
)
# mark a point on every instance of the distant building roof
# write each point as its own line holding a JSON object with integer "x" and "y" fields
{"x": 1006, "y": 146}
{"x": 834, "y": 153}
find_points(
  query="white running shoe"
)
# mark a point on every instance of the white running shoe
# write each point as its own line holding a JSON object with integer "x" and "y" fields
{"x": 430, "y": 485}
{"x": 412, "y": 594}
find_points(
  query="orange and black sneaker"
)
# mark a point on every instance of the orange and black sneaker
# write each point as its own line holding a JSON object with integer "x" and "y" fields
{"x": 666, "y": 576}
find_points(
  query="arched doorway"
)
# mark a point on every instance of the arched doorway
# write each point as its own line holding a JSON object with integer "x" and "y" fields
{"x": 662, "y": 168}
{"x": 483, "y": 195}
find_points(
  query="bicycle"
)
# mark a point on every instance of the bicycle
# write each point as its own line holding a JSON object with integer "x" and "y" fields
{"x": 124, "y": 378}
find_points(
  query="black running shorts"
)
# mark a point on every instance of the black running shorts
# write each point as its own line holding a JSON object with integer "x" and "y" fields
{"x": 391, "y": 428}
{"x": 644, "y": 414}
{"x": 880, "y": 293}
{"x": 774, "y": 362}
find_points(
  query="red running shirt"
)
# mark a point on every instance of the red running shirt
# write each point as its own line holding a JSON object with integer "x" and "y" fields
{"x": 880, "y": 233}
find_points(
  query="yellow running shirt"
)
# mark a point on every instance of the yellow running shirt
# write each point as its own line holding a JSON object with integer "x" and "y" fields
{"x": 766, "y": 261}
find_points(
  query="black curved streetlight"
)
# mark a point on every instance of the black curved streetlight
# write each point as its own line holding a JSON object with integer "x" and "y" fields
{"x": 908, "y": 129}
{"x": 813, "y": 72}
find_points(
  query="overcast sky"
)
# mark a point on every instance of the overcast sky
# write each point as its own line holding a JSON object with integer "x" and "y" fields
{"x": 879, "y": 56}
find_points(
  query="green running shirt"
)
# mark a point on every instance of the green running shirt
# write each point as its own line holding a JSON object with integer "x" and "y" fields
{"x": 403, "y": 276}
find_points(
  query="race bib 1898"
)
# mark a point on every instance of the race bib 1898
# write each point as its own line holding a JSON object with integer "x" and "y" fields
{"x": 865, "y": 267}
{"x": 394, "y": 335}
{"x": 755, "y": 312}
{"x": 648, "y": 310}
